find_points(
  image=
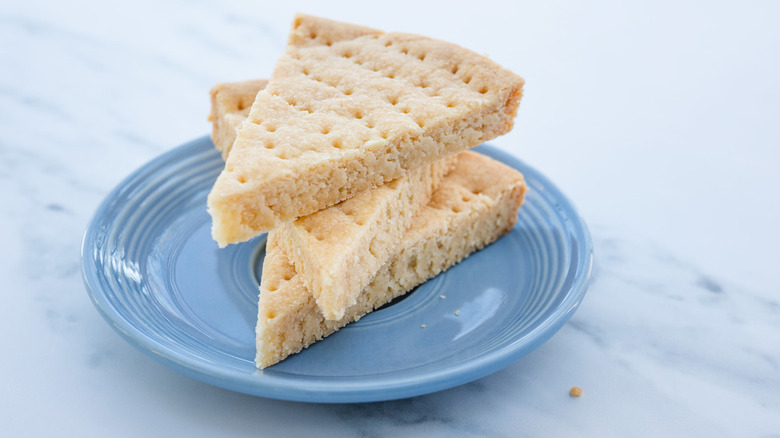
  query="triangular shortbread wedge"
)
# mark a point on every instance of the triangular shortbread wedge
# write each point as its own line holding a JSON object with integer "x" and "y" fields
{"x": 349, "y": 108}
{"x": 475, "y": 204}
{"x": 338, "y": 250}
{"x": 230, "y": 105}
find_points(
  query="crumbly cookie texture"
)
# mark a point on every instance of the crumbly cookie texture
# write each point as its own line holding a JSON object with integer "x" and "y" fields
{"x": 475, "y": 204}
{"x": 338, "y": 251}
{"x": 230, "y": 105}
{"x": 349, "y": 108}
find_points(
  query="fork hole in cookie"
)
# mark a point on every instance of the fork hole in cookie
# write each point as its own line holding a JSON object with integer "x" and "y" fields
{"x": 372, "y": 247}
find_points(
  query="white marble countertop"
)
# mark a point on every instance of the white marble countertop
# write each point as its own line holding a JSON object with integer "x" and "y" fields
{"x": 659, "y": 121}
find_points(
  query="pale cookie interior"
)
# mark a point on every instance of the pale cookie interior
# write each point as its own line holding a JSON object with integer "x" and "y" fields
{"x": 338, "y": 251}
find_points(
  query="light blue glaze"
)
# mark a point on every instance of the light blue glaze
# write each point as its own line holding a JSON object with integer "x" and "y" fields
{"x": 155, "y": 274}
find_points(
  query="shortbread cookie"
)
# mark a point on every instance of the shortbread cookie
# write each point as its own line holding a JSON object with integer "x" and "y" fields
{"x": 338, "y": 251}
{"x": 475, "y": 204}
{"x": 349, "y": 108}
{"x": 230, "y": 105}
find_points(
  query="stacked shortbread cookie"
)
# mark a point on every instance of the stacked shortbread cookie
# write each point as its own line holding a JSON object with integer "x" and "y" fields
{"x": 351, "y": 158}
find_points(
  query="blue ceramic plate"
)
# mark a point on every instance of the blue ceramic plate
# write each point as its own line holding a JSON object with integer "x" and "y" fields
{"x": 155, "y": 274}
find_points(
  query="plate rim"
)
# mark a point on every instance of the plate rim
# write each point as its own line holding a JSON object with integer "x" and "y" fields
{"x": 324, "y": 390}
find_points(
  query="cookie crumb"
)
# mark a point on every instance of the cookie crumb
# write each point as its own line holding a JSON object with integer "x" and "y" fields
{"x": 423, "y": 325}
{"x": 457, "y": 312}
{"x": 575, "y": 391}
